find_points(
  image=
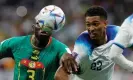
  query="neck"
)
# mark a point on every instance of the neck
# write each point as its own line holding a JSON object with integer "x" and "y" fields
{"x": 102, "y": 40}
{"x": 39, "y": 44}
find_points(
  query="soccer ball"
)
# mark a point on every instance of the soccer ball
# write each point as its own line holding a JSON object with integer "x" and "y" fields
{"x": 51, "y": 16}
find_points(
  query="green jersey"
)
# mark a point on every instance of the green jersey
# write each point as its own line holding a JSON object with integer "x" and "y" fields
{"x": 21, "y": 50}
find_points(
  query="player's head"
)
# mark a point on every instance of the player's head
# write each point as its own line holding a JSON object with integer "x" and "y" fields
{"x": 39, "y": 32}
{"x": 48, "y": 19}
{"x": 96, "y": 21}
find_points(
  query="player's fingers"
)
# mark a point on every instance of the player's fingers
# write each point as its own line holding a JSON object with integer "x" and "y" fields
{"x": 69, "y": 66}
{"x": 65, "y": 66}
{"x": 74, "y": 65}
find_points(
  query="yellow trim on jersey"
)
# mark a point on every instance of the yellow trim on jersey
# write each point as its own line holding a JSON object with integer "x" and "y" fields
{"x": 19, "y": 71}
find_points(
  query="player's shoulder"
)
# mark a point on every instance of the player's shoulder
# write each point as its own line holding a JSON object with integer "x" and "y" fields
{"x": 84, "y": 39}
{"x": 14, "y": 41}
{"x": 112, "y": 31}
{"x": 113, "y": 27}
{"x": 19, "y": 38}
{"x": 83, "y": 35}
{"x": 56, "y": 42}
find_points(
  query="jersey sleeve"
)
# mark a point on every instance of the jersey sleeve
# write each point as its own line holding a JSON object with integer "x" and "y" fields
{"x": 82, "y": 44}
{"x": 82, "y": 48}
{"x": 118, "y": 58}
{"x": 63, "y": 49}
{"x": 123, "y": 39}
{"x": 5, "y": 48}
{"x": 78, "y": 47}
{"x": 77, "y": 51}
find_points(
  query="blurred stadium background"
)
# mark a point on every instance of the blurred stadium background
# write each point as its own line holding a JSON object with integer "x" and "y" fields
{"x": 17, "y": 17}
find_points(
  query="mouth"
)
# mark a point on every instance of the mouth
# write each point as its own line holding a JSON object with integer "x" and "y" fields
{"x": 93, "y": 35}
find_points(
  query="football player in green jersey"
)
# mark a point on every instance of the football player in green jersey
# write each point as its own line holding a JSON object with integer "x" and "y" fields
{"x": 37, "y": 56}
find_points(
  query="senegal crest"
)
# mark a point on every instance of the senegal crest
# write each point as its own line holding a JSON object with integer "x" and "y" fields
{"x": 32, "y": 64}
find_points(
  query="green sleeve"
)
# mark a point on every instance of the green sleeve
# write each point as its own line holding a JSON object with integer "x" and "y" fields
{"x": 63, "y": 49}
{"x": 5, "y": 48}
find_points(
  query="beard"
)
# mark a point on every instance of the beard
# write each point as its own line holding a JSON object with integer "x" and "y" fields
{"x": 42, "y": 40}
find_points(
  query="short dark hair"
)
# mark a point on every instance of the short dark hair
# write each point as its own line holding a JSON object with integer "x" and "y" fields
{"x": 96, "y": 11}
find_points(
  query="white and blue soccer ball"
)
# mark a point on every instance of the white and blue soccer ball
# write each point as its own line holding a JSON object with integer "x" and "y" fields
{"x": 51, "y": 16}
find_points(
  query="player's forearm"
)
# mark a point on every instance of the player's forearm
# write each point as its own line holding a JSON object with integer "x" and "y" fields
{"x": 123, "y": 62}
{"x": 118, "y": 58}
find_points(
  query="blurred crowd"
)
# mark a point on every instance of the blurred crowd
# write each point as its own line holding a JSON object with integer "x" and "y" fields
{"x": 17, "y": 17}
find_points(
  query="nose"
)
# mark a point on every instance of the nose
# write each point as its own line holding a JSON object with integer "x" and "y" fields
{"x": 91, "y": 28}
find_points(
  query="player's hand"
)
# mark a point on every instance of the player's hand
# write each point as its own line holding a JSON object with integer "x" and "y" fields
{"x": 69, "y": 63}
{"x": 61, "y": 74}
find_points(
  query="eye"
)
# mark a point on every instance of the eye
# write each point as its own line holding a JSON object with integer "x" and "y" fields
{"x": 88, "y": 25}
{"x": 36, "y": 26}
{"x": 95, "y": 24}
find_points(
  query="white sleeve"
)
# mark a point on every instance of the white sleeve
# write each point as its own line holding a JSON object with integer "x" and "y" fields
{"x": 118, "y": 58}
{"x": 77, "y": 51}
{"x": 121, "y": 41}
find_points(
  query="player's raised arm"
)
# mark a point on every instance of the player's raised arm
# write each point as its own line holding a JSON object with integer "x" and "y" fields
{"x": 122, "y": 40}
{"x": 5, "y": 49}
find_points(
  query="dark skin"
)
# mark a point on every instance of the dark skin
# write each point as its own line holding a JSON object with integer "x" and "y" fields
{"x": 40, "y": 40}
{"x": 61, "y": 74}
{"x": 96, "y": 27}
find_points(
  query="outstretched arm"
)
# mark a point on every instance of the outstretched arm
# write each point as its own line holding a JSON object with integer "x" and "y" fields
{"x": 118, "y": 58}
{"x": 122, "y": 41}
{"x": 5, "y": 50}
{"x": 61, "y": 74}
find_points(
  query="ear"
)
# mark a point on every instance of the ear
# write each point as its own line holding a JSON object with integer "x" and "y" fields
{"x": 106, "y": 23}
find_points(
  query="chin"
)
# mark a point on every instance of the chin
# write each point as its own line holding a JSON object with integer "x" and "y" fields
{"x": 93, "y": 38}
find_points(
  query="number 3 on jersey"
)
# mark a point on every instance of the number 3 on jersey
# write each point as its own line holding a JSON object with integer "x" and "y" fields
{"x": 32, "y": 74}
{"x": 96, "y": 65}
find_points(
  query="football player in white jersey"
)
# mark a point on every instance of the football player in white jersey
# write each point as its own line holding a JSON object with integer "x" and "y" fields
{"x": 95, "y": 51}
{"x": 91, "y": 49}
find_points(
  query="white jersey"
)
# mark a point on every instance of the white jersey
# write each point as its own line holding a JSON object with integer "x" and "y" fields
{"x": 94, "y": 62}
{"x": 123, "y": 40}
